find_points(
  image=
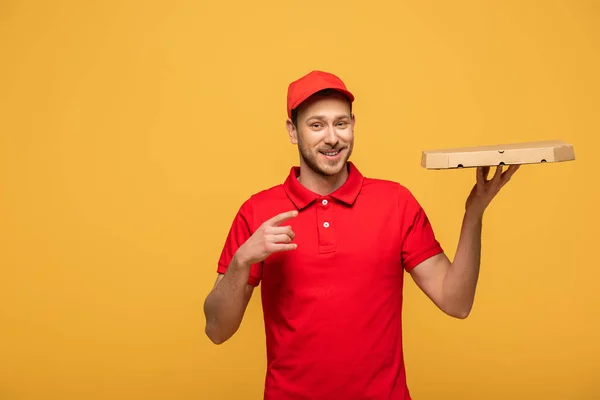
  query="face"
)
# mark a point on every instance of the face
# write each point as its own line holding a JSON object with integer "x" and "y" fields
{"x": 324, "y": 133}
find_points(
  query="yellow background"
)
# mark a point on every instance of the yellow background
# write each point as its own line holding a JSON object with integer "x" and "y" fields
{"x": 131, "y": 132}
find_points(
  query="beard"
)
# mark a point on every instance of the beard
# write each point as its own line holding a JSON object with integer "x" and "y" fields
{"x": 321, "y": 165}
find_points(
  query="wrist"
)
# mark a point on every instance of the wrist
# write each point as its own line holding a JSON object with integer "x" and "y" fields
{"x": 473, "y": 216}
{"x": 240, "y": 262}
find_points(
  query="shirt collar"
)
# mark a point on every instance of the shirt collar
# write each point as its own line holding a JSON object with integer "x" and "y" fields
{"x": 302, "y": 197}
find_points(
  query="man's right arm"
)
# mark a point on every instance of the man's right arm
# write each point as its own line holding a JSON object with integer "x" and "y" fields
{"x": 226, "y": 304}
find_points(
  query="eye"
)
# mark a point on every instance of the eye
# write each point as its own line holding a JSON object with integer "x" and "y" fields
{"x": 342, "y": 124}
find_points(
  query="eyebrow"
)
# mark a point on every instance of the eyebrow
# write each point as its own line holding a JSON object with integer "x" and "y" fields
{"x": 323, "y": 117}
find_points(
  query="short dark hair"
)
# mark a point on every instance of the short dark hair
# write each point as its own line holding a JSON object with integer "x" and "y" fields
{"x": 324, "y": 92}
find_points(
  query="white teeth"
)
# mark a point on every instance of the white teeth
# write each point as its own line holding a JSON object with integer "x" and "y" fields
{"x": 331, "y": 154}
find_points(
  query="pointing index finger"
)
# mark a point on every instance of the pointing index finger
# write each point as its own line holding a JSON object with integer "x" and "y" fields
{"x": 278, "y": 219}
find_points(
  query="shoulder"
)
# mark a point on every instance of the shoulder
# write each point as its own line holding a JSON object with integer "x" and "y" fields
{"x": 264, "y": 197}
{"x": 256, "y": 203}
{"x": 389, "y": 188}
{"x": 394, "y": 193}
{"x": 270, "y": 194}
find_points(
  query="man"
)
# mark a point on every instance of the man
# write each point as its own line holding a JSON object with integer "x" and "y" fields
{"x": 330, "y": 247}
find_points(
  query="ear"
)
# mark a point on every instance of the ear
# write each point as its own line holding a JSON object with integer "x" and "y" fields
{"x": 292, "y": 131}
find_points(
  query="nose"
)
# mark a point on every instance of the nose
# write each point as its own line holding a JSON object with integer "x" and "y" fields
{"x": 331, "y": 138}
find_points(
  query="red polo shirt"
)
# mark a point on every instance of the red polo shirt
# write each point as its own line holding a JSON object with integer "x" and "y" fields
{"x": 333, "y": 307}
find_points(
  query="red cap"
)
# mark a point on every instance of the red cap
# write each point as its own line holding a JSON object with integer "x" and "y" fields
{"x": 309, "y": 84}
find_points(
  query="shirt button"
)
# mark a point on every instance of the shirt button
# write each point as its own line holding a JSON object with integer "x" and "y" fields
{"x": 326, "y": 224}
{"x": 324, "y": 202}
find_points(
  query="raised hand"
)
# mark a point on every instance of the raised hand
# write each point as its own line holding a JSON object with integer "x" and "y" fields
{"x": 269, "y": 238}
{"x": 486, "y": 189}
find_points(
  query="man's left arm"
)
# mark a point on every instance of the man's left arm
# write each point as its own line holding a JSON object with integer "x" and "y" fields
{"x": 451, "y": 284}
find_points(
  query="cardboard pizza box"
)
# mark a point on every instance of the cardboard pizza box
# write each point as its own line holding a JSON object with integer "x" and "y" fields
{"x": 501, "y": 154}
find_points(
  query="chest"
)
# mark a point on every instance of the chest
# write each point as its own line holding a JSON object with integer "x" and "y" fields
{"x": 351, "y": 246}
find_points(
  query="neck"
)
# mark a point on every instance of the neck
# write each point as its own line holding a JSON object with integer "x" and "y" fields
{"x": 321, "y": 184}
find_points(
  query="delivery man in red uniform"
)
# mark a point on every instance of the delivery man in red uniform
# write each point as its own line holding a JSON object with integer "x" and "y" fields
{"x": 330, "y": 248}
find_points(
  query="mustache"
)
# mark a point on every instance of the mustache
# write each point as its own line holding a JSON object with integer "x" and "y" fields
{"x": 329, "y": 149}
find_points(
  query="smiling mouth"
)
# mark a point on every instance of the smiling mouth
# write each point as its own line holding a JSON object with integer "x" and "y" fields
{"x": 331, "y": 153}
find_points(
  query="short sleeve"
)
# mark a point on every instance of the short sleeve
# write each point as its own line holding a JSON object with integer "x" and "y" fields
{"x": 418, "y": 239}
{"x": 240, "y": 231}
